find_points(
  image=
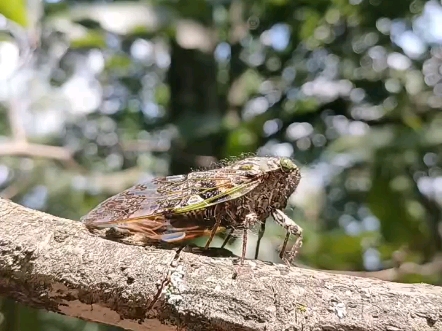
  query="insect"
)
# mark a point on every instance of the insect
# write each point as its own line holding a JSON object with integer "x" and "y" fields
{"x": 174, "y": 209}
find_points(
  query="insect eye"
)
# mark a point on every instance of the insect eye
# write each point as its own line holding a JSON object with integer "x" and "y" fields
{"x": 287, "y": 165}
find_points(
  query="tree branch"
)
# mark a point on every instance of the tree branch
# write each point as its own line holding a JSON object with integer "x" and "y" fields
{"x": 35, "y": 150}
{"x": 56, "y": 264}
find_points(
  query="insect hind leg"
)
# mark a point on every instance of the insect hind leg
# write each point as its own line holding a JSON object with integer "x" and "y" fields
{"x": 212, "y": 233}
{"x": 262, "y": 229}
{"x": 228, "y": 237}
{"x": 292, "y": 229}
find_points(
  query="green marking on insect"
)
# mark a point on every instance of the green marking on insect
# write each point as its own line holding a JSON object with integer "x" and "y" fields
{"x": 210, "y": 201}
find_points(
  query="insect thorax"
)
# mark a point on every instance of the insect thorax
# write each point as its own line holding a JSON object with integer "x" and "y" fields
{"x": 273, "y": 192}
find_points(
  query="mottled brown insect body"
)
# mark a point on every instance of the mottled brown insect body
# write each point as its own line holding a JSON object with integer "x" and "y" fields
{"x": 177, "y": 208}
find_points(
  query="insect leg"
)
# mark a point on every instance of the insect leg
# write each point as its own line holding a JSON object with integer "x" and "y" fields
{"x": 213, "y": 232}
{"x": 244, "y": 245}
{"x": 292, "y": 229}
{"x": 262, "y": 229}
{"x": 229, "y": 235}
{"x": 250, "y": 220}
{"x": 166, "y": 281}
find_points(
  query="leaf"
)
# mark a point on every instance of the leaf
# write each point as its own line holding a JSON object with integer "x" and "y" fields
{"x": 92, "y": 39}
{"x": 162, "y": 94}
{"x": 15, "y": 10}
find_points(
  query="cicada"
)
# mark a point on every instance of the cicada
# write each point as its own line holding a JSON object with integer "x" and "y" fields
{"x": 174, "y": 209}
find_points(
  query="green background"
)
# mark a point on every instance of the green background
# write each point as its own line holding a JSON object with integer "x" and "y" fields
{"x": 351, "y": 90}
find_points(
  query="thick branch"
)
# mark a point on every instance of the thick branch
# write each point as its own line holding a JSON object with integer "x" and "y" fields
{"x": 56, "y": 264}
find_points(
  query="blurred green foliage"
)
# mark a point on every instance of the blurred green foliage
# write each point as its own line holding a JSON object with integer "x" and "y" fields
{"x": 351, "y": 89}
{"x": 15, "y": 11}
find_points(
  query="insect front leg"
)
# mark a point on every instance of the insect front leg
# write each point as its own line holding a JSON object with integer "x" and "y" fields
{"x": 292, "y": 229}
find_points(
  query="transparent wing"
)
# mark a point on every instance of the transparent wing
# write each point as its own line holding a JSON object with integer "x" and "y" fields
{"x": 138, "y": 209}
{"x": 169, "y": 230}
{"x": 142, "y": 200}
{"x": 157, "y": 208}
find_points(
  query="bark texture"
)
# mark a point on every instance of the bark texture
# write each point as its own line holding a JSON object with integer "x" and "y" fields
{"x": 55, "y": 264}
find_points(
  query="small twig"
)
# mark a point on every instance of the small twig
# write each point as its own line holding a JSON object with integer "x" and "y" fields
{"x": 433, "y": 267}
{"x": 10, "y": 191}
{"x": 19, "y": 144}
{"x": 26, "y": 44}
{"x": 16, "y": 148}
{"x": 23, "y": 148}
{"x": 143, "y": 146}
{"x": 16, "y": 125}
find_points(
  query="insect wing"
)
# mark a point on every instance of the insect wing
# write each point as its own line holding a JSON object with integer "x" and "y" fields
{"x": 143, "y": 207}
{"x": 139, "y": 209}
{"x": 141, "y": 200}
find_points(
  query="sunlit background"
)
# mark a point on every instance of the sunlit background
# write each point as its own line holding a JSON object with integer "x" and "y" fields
{"x": 96, "y": 96}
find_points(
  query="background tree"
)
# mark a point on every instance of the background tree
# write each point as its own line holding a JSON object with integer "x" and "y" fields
{"x": 108, "y": 94}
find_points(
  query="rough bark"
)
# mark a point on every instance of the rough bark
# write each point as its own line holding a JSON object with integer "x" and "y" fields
{"x": 55, "y": 264}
